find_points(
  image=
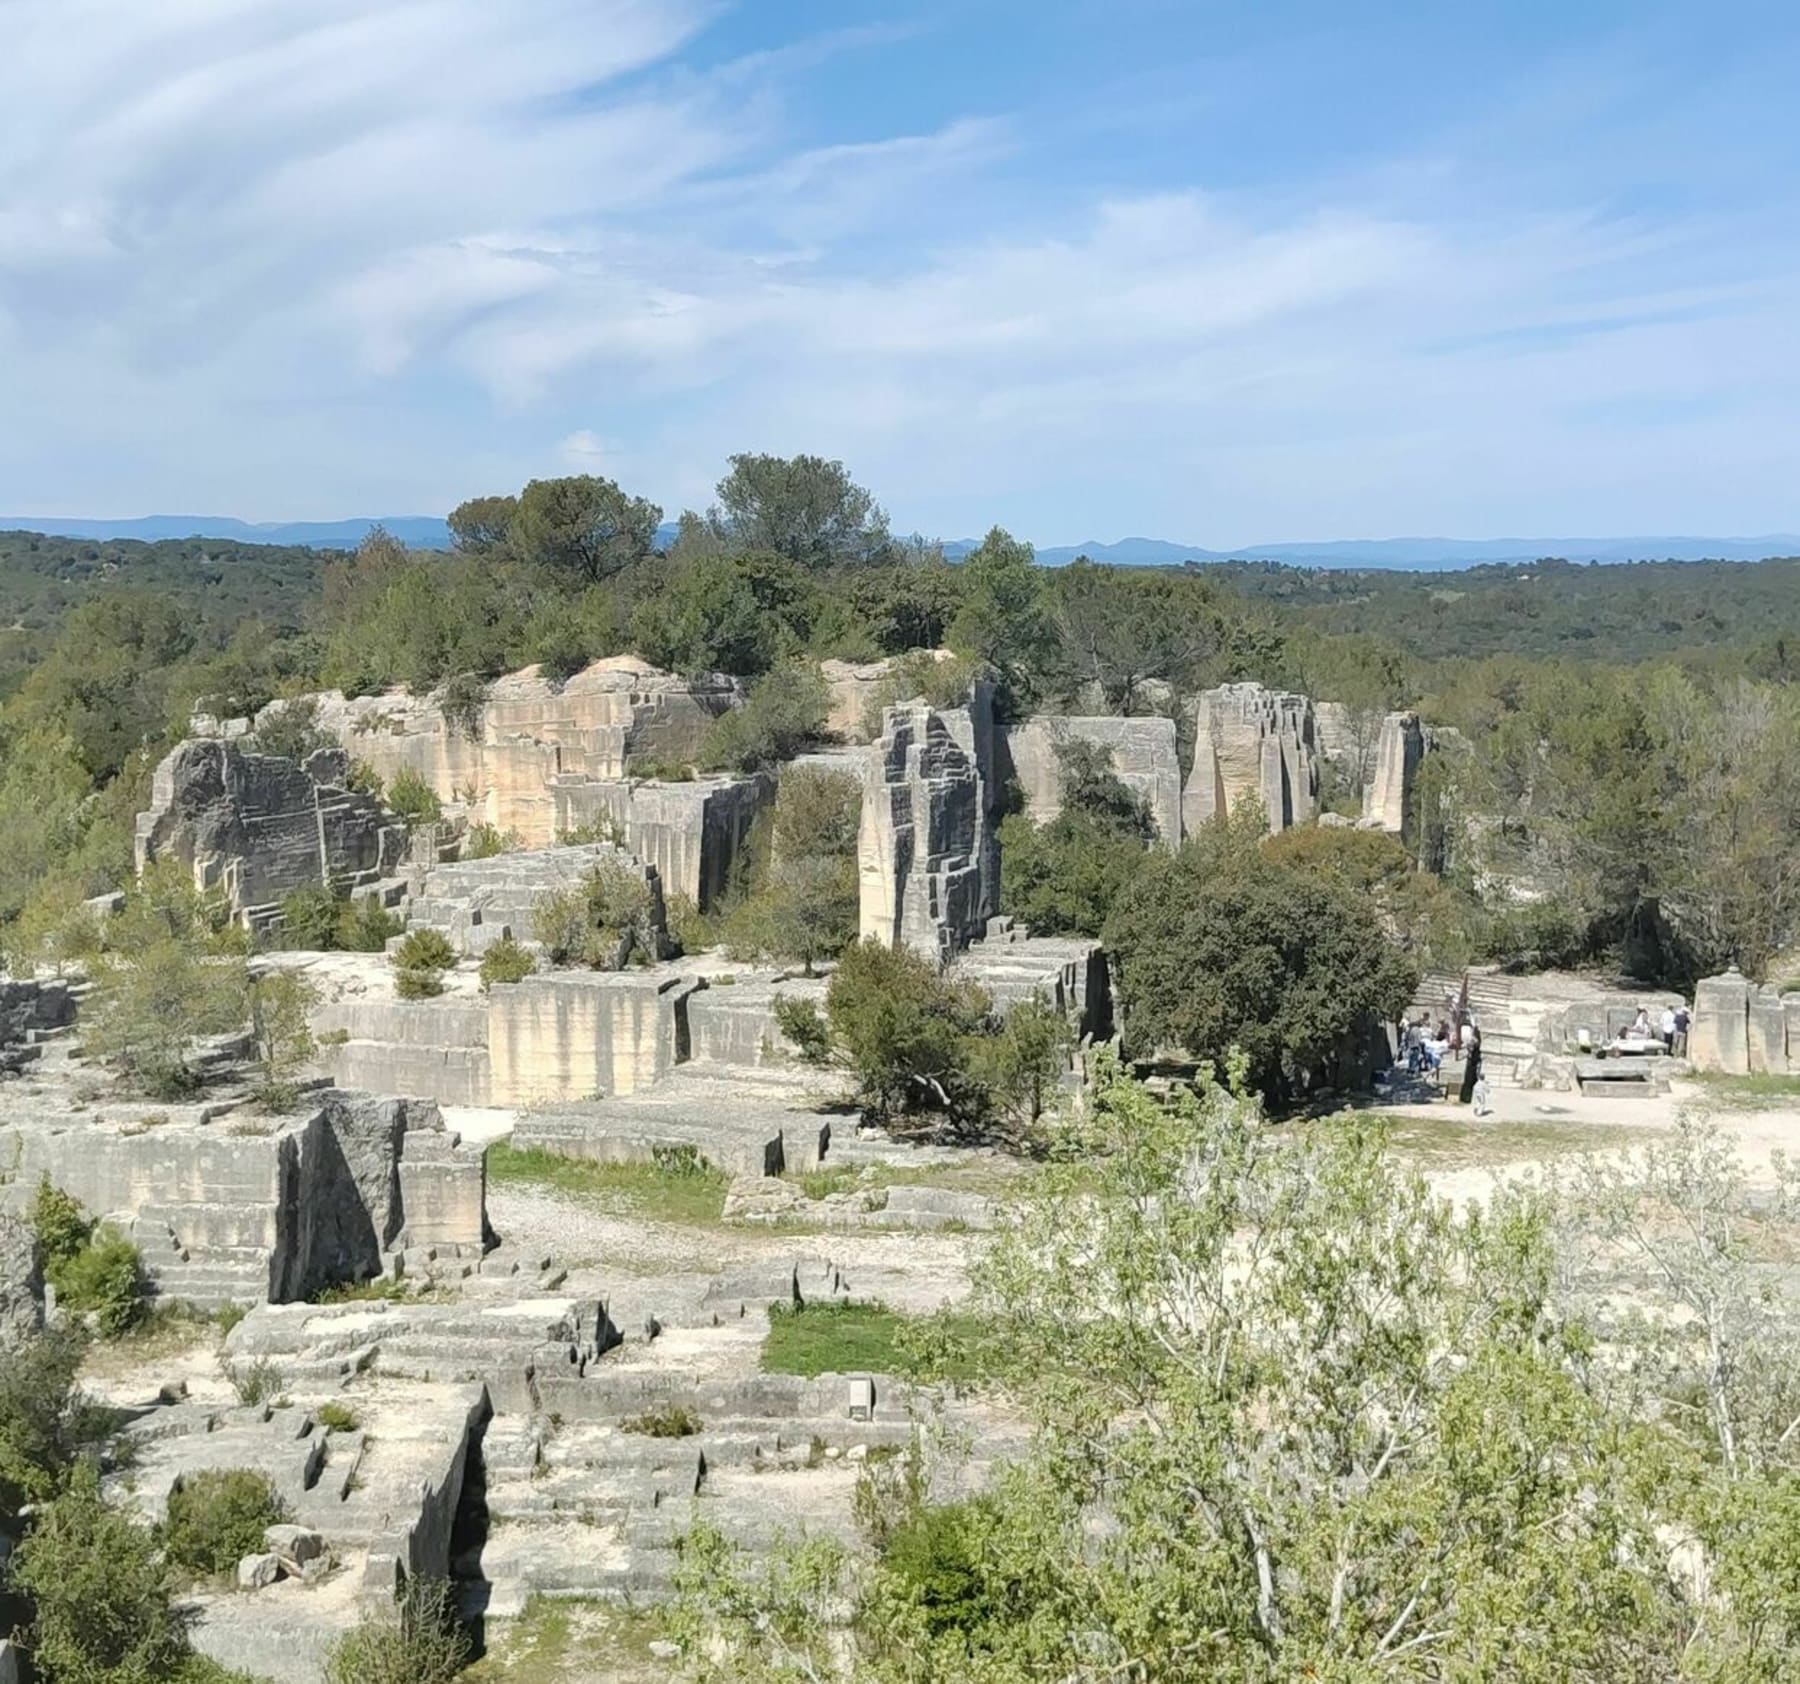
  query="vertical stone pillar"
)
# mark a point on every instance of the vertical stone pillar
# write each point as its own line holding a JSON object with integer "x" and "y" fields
{"x": 1389, "y": 796}
{"x": 1767, "y": 1040}
{"x": 1719, "y": 1038}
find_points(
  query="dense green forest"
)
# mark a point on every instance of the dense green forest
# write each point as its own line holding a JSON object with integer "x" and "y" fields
{"x": 218, "y": 583}
{"x": 1750, "y": 611}
{"x": 1621, "y": 779}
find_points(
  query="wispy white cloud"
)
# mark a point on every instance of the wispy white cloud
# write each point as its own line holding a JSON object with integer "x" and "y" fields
{"x": 281, "y": 257}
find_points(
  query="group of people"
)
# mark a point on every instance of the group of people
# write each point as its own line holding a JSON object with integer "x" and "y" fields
{"x": 1671, "y": 1030}
{"x": 1426, "y": 1049}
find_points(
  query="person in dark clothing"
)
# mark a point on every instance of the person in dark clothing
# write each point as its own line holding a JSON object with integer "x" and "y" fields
{"x": 1471, "y": 1065}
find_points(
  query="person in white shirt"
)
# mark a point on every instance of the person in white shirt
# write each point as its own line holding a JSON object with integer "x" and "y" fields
{"x": 1668, "y": 1029}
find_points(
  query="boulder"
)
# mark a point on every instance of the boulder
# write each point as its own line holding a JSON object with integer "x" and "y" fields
{"x": 258, "y": 1572}
{"x": 293, "y": 1545}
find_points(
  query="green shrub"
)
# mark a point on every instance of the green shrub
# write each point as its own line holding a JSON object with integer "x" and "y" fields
{"x": 309, "y": 918}
{"x": 604, "y": 922}
{"x": 44, "y": 1419}
{"x": 292, "y": 731}
{"x": 365, "y": 925}
{"x": 935, "y": 1554}
{"x": 364, "y": 779}
{"x": 462, "y": 702}
{"x": 426, "y": 1645}
{"x": 105, "y": 1278}
{"x": 61, "y": 1225}
{"x": 672, "y": 1420}
{"x": 99, "y": 1591}
{"x": 337, "y": 1417}
{"x": 784, "y": 713}
{"x": 258, "y": 1383}
{"x": 922, "y": 675}
{"x": 413, "y": 799}
{"x": 419, "y": 964}
{"x": 418, "y": 985}
{"x": 216, "y": 1518}
{"x": 485, "y": 841}
{"x": 505, "y": 961}
{"x": 682, "y": 1163}
{"x": 425, "y": 950}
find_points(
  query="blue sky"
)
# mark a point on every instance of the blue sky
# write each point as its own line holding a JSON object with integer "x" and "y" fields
{"x": 1220, "y": 273}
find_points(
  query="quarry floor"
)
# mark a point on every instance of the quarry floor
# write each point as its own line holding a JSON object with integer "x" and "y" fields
{"x": 605, "y": 1247}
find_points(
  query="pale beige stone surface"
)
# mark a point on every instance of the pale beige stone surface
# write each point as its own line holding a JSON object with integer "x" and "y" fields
{"x": 1252, "y": 745}
{"x": 597, "y": 724}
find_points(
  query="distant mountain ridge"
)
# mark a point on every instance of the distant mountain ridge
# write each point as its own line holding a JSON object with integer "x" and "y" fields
{"x": 425, "y": 532}
{"x": 1403, "y": 554}
{"x": 1423, "y": 554}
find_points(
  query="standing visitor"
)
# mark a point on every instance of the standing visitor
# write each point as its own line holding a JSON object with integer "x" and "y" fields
{"x": 1471, "y": 1062}
{"x": 1668, "y": 1029}
{"x": 1681, "y": 1030}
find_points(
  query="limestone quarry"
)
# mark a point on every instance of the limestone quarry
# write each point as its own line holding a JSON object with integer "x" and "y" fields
{"x": 444, "y": 1374}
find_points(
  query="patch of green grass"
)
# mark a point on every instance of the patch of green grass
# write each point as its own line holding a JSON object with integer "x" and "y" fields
{"x": 674, "y": 1420}
{"x": 860, "y": 1338}
{"x": 819, "y": 1339}
{"x": 1750, "y": 1093}
{"x": 823, "y": 1183}
{"x": 565, "y": 1642}
{"x": 337, "y": 1417}
{"x": 686, "y": 1191}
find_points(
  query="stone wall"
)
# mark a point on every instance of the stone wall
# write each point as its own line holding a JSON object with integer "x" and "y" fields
{"x": 29, "y": 1007}
{"x": 598, "y": 724}
{"x": 240, "y": 1208}
{"x": 435, "y": 1048}
{"x": 1741, "y": 1028}
{"x": 475, "y": 903}
{"x": 568, "y": 1034}
{"x": 256, "y": 826}
{"x": 1144, "y": 758}
{"x": 693, "y": 833}
{"x": 1252, "y": 744}
{"x": 927, "y": 861}
{"x": 1068, "y": 972}
{"x": 734, "y": 1023}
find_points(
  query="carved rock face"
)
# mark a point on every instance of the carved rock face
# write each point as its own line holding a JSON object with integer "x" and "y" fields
{"x": 258, "y": 826}
{"x": 927, "y": 860}
{"x": 1252, "y": 744}
{"x": 21, "y": 1283}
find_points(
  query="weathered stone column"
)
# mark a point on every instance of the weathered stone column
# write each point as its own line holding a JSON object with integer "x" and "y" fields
{"x": 1388, "y": 798}
{"x": 1719, "y": 1038}
{"x": 1767, "y": 1042}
